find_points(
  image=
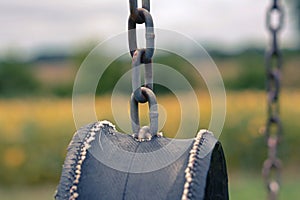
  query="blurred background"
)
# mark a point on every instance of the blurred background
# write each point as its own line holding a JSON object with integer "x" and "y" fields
{"x": 43, "y": 43}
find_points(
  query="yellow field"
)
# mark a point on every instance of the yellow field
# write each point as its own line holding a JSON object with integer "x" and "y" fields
{"x": 45, "y": 114}
{"x": 34, "y": 133}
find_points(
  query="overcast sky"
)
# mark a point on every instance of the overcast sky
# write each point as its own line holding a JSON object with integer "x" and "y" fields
{"x": 28, "y": 24}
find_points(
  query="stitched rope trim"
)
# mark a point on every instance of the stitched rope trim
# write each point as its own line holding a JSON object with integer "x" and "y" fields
{"x": 86, "y": 144}
{"x": 77, "y": 151}
{"x": 189, "y": 171}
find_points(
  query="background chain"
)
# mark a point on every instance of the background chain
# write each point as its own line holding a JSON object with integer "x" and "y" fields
{"x": 272, "y": 166}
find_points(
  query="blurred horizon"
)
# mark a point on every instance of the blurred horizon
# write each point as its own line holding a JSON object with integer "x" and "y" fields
{"x": 228, "y": 25}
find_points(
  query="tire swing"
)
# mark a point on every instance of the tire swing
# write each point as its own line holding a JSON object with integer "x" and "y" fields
{"x": 102, "y": 163}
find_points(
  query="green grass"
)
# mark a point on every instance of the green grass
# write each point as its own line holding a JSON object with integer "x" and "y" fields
{"x": 251, "y": 186}
{"x": 45, "y": 192}
{"x": 242, "y": 186}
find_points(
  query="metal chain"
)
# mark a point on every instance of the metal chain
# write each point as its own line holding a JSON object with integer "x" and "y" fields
{"x": 272, "y": 166}
{"x": 142, "y": 94}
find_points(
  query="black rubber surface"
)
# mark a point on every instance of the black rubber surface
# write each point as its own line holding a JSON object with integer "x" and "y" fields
{"x": 99, "y": 181}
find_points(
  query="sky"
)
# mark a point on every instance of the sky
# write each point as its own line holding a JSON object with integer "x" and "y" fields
{"x": 30, "y": 24}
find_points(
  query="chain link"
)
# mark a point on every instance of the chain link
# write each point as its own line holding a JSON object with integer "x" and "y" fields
{"x": 136, "y": 77}
{"x": 142, "y": 94}
{"x": 144, "y": 17}
{"x": 272, "y": 166}
{"x": 133, "y": 4}
{"x": 144, "y": 133}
